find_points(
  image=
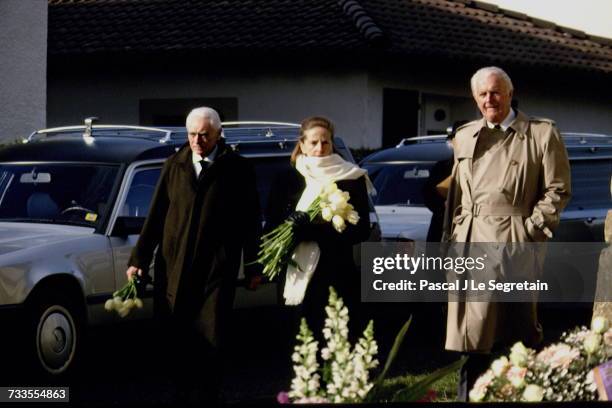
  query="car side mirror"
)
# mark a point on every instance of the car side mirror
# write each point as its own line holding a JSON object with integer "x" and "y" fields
{"x": 125, "y": 226}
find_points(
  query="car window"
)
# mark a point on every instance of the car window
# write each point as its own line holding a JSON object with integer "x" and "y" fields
{"x": 590, "y": 184}
{"x": 140, "y": 193}
{"x": 399, "y": 184}
{"x": 56, "y": 193}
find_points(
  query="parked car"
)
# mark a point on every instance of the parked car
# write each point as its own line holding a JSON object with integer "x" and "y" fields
{"x": 399, "y": 174}
{"x": 72, "y": 203}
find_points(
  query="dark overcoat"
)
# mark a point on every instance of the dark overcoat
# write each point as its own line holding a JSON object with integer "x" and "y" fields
{"x": 337, "y": 266}
{"x": 201, "y": 228}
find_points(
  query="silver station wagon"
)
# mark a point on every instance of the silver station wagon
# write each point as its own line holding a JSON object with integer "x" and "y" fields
{"x": 72, "y": 203}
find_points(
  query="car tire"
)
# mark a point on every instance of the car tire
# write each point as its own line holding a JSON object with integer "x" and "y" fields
{"x": 58, "y": 336}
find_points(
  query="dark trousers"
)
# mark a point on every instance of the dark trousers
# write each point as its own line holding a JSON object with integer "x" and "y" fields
{"x": 195, "y": 364}
{"x": 473, "y": 368}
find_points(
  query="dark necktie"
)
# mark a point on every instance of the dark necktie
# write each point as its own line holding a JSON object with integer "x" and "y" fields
{"x": 204, "y": 165}
{"x": 497, "y": 127}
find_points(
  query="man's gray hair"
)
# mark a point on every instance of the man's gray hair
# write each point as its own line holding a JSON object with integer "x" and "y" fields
{"x": 483, "y": 73}
{"x": 205, "y": 112}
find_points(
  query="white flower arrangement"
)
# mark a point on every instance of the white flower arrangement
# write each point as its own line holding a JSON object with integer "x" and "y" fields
{"x": 561, "y": 372}
{"x": 346, "y": 371}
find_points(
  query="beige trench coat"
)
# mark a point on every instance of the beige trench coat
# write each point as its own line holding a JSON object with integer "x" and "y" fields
{"x": 511, "y": 191}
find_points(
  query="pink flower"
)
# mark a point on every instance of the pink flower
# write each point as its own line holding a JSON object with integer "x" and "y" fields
{"x": 283, "y": 398}
{"x": 608, "y": 337}
{"x": 516, "y": 376}
{"x": 558, "y": 355}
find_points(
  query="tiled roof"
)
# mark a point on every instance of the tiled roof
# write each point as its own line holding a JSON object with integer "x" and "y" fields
{"x": 447, "y": 29}
{"x": 468, "y": 29}
{"x": 90, "y": 26}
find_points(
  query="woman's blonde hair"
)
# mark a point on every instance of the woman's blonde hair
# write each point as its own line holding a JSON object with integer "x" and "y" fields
{"x": 307, "y": 124}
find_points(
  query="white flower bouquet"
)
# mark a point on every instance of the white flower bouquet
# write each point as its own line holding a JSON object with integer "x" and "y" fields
{"x": 345, "y": 373}
{"x": 344, "y": 376}
{"x": 125, "y": 299}
{"x": 277, "y": 246}
{"x": 560, "y": 372}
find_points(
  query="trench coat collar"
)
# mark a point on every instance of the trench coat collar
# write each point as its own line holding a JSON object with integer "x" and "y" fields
{"x": 474, "y": 128}
{"x": 520, "y": 124}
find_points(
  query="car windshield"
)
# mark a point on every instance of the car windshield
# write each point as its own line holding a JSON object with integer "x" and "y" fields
{"x": 76, "y": 194}
{"x": 399, "y": 184}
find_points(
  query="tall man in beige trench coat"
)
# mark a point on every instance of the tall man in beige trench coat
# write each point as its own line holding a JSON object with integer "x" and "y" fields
{"x": 510, "y": 182}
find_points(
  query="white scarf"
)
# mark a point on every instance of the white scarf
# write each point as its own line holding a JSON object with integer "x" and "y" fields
{"x": 318, "y": 172}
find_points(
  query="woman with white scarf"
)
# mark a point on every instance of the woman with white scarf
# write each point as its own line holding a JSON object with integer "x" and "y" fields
{"x": 325, "y": 255}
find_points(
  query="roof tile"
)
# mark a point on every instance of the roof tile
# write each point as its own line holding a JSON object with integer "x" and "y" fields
{"x": 458, "y": 29}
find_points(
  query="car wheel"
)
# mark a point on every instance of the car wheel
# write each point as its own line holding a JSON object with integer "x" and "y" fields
{"x": 57, "y": 334}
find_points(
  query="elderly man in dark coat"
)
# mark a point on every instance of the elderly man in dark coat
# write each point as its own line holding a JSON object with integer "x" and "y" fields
{"x": 204, "y": 217}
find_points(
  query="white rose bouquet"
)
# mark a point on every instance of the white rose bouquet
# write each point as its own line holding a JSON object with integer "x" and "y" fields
{"x": 125, "y": 299}
{"x": 560, "y": 372}
{"x": 277, "y": 246}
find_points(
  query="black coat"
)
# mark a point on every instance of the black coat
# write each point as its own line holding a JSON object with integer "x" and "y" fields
{"x": 337, "y": 266}
{"x": 434, "y": 201}
{"x": 201, "y": 229}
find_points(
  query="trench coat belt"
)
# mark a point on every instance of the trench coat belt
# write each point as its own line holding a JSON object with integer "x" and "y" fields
{"x": 495, "y": 209}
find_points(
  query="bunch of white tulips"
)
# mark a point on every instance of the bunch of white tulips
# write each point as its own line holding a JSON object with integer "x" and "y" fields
{"x": 124, "y": 300}
{"x": 335, "y": 207}
{"x": 277, "y": 245}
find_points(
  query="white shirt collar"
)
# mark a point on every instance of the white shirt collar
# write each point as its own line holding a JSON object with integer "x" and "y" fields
{"x": 210, "y": 158}
{"x": 506, "y": 122}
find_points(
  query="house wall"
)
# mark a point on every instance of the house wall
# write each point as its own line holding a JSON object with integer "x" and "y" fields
{"x": 352, "y": 98}
{"x": 23, "y": 67}
{"x": 574, "y": 103}
{"x": 281, "y": 96}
